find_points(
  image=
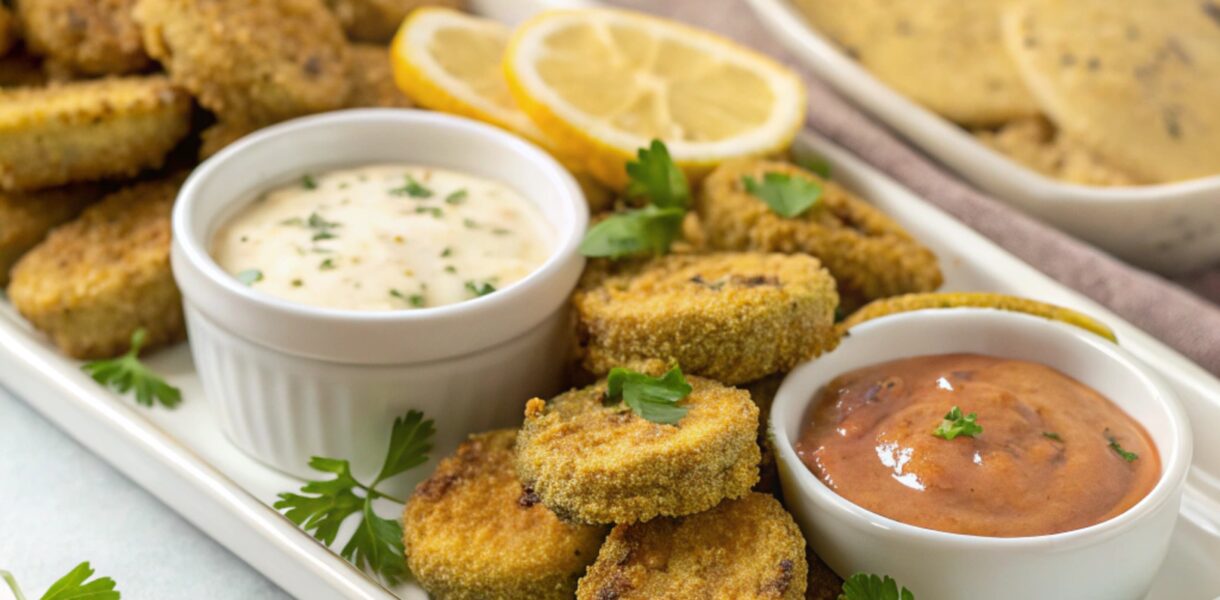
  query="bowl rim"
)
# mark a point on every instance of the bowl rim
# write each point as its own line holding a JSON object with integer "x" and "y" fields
{"x": 1176, "y": 454}
{"x": 193, "y": 249}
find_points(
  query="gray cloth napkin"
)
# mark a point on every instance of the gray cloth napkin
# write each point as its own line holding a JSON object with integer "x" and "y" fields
{"x": 1164, "y": 309}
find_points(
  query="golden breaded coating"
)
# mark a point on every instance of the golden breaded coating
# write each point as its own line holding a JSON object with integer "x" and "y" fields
{"x": 88, "y": 130}
{"x": 762, "y": 392}
{"x": 8, "y": 30}
{"x": 26, "y": 217}
{"x": 732, "y": 317}
{"x": 97, "y": 279}
{"x": 252, "y": 62}
{"x": 377, "y": 20}
{"x": 869, "y": 255}
{"x": 221, "y": 134}
{"x": 372, "y": 79}
{"x": 741, "y": 550}
{"x": 594, "y": 463}
{"x": 85, "y": 37}
{"x": 472, "y": 531}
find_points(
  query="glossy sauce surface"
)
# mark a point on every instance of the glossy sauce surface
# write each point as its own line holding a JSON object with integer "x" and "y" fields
{"x": 1048, "y": 459}
{"x": 385, "y": 237}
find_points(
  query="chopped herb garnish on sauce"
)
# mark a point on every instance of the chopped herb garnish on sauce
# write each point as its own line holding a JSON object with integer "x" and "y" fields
{"x": 322, "y": 506}
{"x": 249, "y": 276}
{"x": 470, "y": 224}
{"x": 955, "y": 424}
{"x": 435, "y": 211}
{"x": 480, "y": 288}
{"x": 501, "y": 231}
{"x": 327, "y": 264}
{"x": 863, "y": 586}
{"x": 416, "y": 300}
{"x": 308, "y": 182}
{"x": 446, "y": 252}
{"x": 297, "y": 283}
{"x": 450, "y": 269}
{"x": 787, "y": 196}
{"x": 413, "y": 189}
{"x": 1050, "y": 435}
{"x": 652, "y": 398}
{"x": 457, "y": 197}
{"x": 1118, "y": 449}
{"x": 653, "y": 228}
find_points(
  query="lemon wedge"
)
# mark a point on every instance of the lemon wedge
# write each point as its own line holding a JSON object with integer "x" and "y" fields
{"x": 450, "y": 62}
{"x": 601, "y": 83}
{"x": 909, "y": 302}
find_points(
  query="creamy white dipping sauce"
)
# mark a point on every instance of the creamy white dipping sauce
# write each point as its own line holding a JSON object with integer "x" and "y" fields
{"x": 384, "y": 237}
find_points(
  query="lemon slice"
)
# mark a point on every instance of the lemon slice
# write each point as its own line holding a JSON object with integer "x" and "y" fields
{"x": 449, "y": 61}
{"x": 910, "y": 302}
{"x": 601, "y": 83}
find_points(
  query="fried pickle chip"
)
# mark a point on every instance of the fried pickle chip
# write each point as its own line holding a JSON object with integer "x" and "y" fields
{"x": 869, "y": 255}
{"x": 377, "y": 20}
{"x": 748, "y": 548}
{"x": 96, "y": 280}
{"x": 372, "y": 79}
{"x": 472, "y": 531}
{"x": 595, "y": 463}
{"x": 250, "y": 62}
{"x": 84, "y": 37}
{"x": 26, "y": 217}
{"x": 88, "y": 130}
{"x": 731, "y": 317}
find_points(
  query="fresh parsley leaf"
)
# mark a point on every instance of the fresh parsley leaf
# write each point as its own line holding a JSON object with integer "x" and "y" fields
{"x": 323, "y": 235}
{"x": 317, "y": 222}
{"x": 432, "y": 210}
{"x": 249, "y": 276}
{"x": 322, "y": 506}
{"x": 955, "y": 424}
{"x": 327, "y": 265}
{"x": 653, "y": 175}
{"x": 863, "y": 586}
{"x": 308, "y": 182}
{"x": 648, "y": 230}
{"x": 652, "y": 398}
{"x": 457, "y": 197}
{"x": 413, "y": 189}
{"x": 480, "y": 289}
{"x": 787, "y": 196}
{"x": 416, "y": 300}
{"x": 1051, "y": 435}
{"x": 814, "y": 164}
{"x": 73, "y": 586}
{"x": 126, "y": 372}
{"x": 1118, "y": 449}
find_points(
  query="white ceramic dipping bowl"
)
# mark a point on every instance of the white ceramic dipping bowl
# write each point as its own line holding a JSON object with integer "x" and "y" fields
{"x": 1113, "y": 560}
{"x": 290, "y": 381}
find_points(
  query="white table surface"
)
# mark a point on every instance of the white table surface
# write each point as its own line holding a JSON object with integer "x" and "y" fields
{"x": 60, "y": 505}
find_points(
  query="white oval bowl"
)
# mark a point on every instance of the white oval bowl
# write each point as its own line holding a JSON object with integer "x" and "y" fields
{"x": 291, "y": 381}
{"x": 1113, "y": 560}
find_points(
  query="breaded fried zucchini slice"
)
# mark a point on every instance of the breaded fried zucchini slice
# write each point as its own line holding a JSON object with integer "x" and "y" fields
{"x": 26, "y": 217}
{"x": 377, "y": 20}
{"x": 88, "y": 130}
{"x": 472, "y": 531}
{"x": 733, "y": 317}
{"x": 250, "y": 62}
{"x": 594, "y": 463}
{"x": 372, "y": 80}
{"x": 743, "y": 549}
{"x": 84, "y": 37}
{"x": 96, "y": 280}
{"x": 869, "y": 255}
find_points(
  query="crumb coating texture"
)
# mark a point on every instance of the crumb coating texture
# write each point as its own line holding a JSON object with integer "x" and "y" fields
{"x": 604, "y": 464}
{"x": 748, "y": 548}
{"x": 733, "y": 317}
{"x": 472, "y": 531}
{"x": 26, "y": 217}
{"x": 869, "y": 255}
{"x": 84, "y": 37}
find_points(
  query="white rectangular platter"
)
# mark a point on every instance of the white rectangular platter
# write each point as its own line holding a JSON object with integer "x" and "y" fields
{"x": 1171, "y": 227}
{"x": 182, "y": 457}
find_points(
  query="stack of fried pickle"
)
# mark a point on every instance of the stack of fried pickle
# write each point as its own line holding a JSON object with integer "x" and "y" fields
{"x": 106, "y": 104}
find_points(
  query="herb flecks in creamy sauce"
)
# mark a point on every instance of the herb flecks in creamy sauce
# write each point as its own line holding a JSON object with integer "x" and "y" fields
{"x": 384, "y": 237}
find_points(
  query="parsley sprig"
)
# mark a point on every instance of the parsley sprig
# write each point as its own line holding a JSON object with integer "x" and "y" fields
{"x": 126, "y": 372}
{"x": 863, "y": 586}
{"x": 73, "y": 586}
{"x": 377, "y": 542}
{"x": 787, "y": 196}
{"x": 653, "y": 228}
{"x": 956, "y": 424}
{"x": 652, "y": 398}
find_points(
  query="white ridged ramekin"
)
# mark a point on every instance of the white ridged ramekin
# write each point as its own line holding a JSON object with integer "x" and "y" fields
{"x": 290, "y": 381}
{"x": 1116, "y": 559}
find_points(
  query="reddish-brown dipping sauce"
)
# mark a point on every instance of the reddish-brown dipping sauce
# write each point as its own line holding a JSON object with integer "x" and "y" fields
{"x": 1048, "y": 458}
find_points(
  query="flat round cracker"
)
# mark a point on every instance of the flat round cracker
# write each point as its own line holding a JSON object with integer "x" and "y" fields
{"x": 1135, "y": 81}
{"x": 944, "y": 54}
